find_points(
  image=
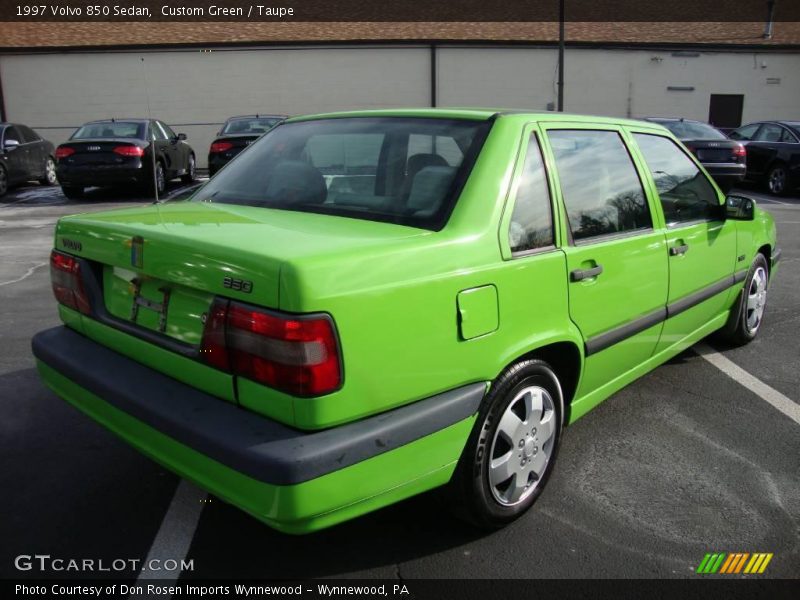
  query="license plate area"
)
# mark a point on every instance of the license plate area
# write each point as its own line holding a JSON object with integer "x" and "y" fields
{"x": 154, "y": 304}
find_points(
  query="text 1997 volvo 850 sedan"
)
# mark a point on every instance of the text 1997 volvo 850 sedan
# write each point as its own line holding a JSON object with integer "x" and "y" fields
{"x": 364, "y": 306}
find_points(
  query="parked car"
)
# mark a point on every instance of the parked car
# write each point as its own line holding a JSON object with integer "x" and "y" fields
{"x": 368, "y": 305}
{"x": 723, "y": 158}
{"x": 24, "y": 156}
{"x": 120, "y": 151}
{"x": 237, "y": 134}
{"x": 773, "y": 154}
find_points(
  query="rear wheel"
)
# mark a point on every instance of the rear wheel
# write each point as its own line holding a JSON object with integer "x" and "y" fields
{"x": 191, "y": 167}
{"x": 3, "y": 181}
{"x": 747, "y": 315}
{"x": 158, "y": 183}
{"x": 778, "y": 179}
{"x": 49, "y": 177}
{"x": 72, "y": 192}
{"x": 512, "y": 449}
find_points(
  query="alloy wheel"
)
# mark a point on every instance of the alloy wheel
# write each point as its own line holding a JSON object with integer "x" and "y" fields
{"x": 756, "y": 300}
{"x": 50, "y": 171}
{"x": 3, "y": 182}
{"x": 777, "y": 180}
{"x": 522, "y": 446}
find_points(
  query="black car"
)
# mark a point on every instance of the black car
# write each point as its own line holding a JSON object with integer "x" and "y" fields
{"x": 723, "y": 158}
{"x": 24, "y": 156}
{"x": 773, "y": 153}
{"x": 237, "y": 134}
{"x": 120, "y": 151}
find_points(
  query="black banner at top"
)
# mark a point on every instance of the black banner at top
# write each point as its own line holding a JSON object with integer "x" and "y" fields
{"x": 399, "y": 10}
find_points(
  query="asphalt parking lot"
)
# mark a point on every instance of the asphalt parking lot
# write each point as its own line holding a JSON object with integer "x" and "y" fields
{"x": 685, "y": 461}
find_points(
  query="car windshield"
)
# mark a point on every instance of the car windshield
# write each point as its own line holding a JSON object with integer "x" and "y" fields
{"x": 256, "y": 125}
{"x": 693, "y": 130}
{"x": 117, "y": 129}
{"x": 393, "y": 169}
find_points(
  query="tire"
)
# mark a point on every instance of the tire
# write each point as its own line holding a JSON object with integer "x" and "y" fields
{"x": 777, "y": 181}
{"x": 748, "y": 314}
{"x": 49, "y": 177}
{"x": 191, "y": 168}
{"x": 3, "y": 181}
{"x": 149, "y": 186}
{"x": 73, "y": 193}
{"x": 521, "y": 418}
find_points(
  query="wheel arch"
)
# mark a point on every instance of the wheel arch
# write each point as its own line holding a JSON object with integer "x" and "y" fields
{"x": 566, "y": 359}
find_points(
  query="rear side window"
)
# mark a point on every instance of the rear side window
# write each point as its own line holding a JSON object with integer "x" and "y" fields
{"x": 531, "y": 225}
{"x": 393, "y": 169}
{"x": 599, "y": 183}
{"x": 685, "y": 193}
{"x": 769, "y": 133}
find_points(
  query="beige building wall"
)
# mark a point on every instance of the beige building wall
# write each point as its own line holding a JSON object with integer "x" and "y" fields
{"x": 195, "y": 91}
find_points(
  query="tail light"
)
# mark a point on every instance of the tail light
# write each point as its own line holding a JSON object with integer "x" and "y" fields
{"x": 298, "y": 355}
{"x": 220, "y": 147}
{"x": 129, "y": 151}
{"x": 65, "y": 276}
{"x": 64, "y": 152}
{"x": 739, "y": 153}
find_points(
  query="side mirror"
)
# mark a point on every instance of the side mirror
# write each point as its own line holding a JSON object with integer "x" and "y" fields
{"x": 740, "y": 208}
{"x": 181, "y": 136}
{"x": 10, "y": 144}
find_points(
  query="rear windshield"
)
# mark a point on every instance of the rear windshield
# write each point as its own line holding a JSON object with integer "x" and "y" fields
{"x": 399, "y": 170}
{"x": 686, "y": 130}
{"x": 119, "y": 129}
{"x": 255, "y": 125}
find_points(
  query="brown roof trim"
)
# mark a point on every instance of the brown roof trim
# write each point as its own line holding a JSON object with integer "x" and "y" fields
{"x": 293, "y": 44}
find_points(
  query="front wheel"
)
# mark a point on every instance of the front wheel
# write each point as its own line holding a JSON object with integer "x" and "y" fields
{"x": 49, "y": 177}
{"x": 748, "y": 314}
{"x": 191, "y": 169}
{"x": 512, "y": 449}
{"x": 3, "y": 181}
{"x": 778, "y": 180}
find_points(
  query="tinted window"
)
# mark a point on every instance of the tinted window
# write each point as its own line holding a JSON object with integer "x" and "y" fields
{"x": 168, "y": 131}
{"x": 157, "y": 132}
{"x": 118, "y": 129}
{"x": 531, "y": 224}
{"x": 693, "y": 130}
{"x": 745, "y": 133}
{"x": 12, "y": 134}
{"x": 601, "y": 189}
{"x": 28, "y": 134}
{"x": 769, "y": 133}
{"x": 788, "y": 136}
{"x": 256, "y": 125}
{"x": 354, "y": 167}
{"x": 684, "y": 191}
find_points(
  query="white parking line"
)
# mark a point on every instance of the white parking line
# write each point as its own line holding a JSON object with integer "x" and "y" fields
{"x": 28, "y": 273}
{"x": 788, "y": 407}
{"x": 175, "y": 534}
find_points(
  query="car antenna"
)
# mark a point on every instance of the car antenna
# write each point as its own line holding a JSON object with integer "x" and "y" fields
{"x": 149, "y": 121}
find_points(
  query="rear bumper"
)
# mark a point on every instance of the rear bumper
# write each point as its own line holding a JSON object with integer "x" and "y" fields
{"x": 292, "y": 480}
{"x": 101, "y": 175}
{"x": 726, "y": 173}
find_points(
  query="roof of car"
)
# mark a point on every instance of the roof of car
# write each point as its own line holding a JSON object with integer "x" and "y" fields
{"x": 116, "y": 120}
{"x": 474, "y": 114}
{"x": 258, "y": 116}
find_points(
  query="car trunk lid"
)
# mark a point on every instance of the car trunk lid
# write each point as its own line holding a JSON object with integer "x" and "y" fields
{"x": 98, "y": 152}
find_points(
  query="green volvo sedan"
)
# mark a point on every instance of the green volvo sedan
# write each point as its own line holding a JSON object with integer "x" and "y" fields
{"x": 364, "y": 306}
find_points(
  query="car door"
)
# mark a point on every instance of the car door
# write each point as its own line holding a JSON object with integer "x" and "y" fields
{"x": 14, "y": 157}
{"x": 176, "y": 150}
{"x": 764, "y": 147}
{"x": 701, "y": 243}
{"x": 164, "y": 148}
{"x": 616, "y": 258}
{"x": 34, "y": 152}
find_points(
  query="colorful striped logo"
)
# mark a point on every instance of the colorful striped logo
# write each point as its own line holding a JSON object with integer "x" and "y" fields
{"x": 732, "y": 563}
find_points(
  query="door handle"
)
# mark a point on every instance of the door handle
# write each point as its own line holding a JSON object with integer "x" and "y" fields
{"x": 677, "y": 250}
{"x": 581, "y": 274}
